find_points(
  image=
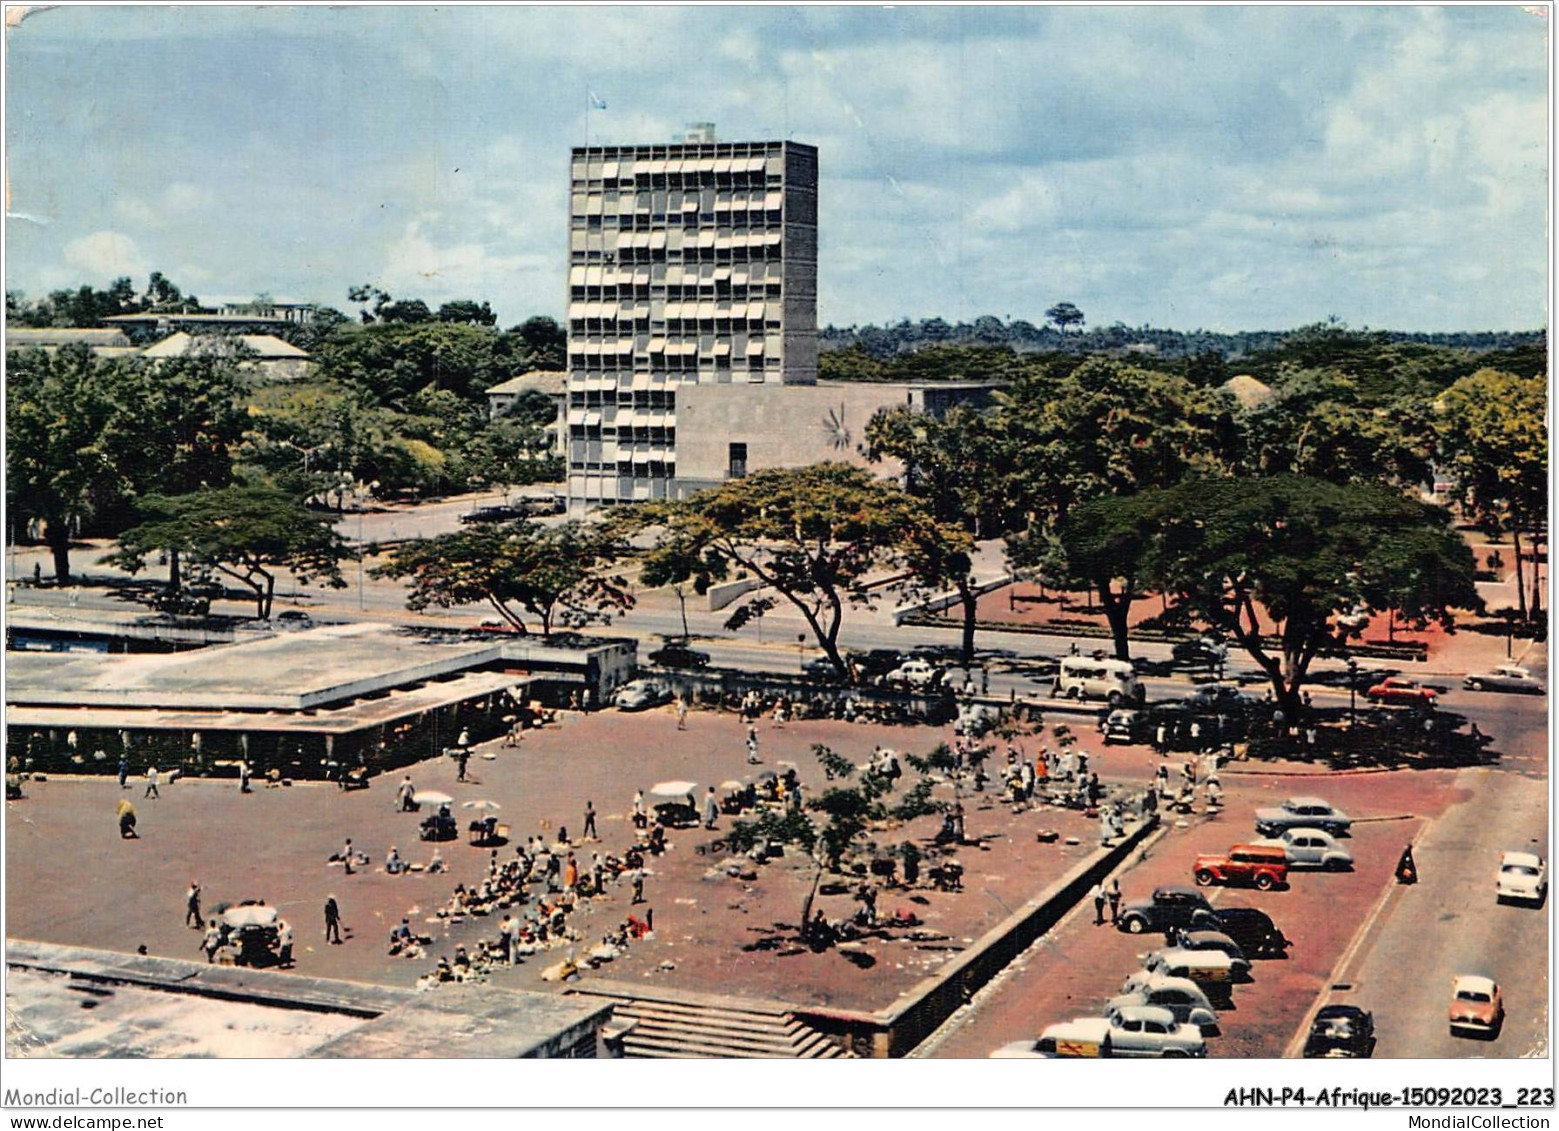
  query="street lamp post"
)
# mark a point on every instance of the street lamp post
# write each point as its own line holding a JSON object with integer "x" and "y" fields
{"x": 1353, "y": 671}
{"x": 801, "y": 652}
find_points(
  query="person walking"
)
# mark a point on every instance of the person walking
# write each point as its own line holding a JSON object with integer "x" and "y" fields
{"x": 711, "y": 809}
{"x": 638, "y": 885}
{"x": 347, "y": 855}
{"x": 462, "y": 756}
{"x": 405, "y": 795}
{"x": 284, "y": 943}
{"x": 752, "y": 746}
{"x": 192, "y": 916}
{"x": 1098, "y": 905}
{"x": 243, "y": 777}
{"x": 151, "y": 782}
{"x": 211, "y": 942}
{"x": 126, "y": 814}
{"x": 124, "y": 771}
{"x": 571, "y": 874}
{"x": 597, "y": 874}
{"x": 639, "y": 818}
{"x": 590, "y": 833}
{"x": 681, "y": 713}
{"x": 332, "y": 921}
{"x": 1113, "y": 893}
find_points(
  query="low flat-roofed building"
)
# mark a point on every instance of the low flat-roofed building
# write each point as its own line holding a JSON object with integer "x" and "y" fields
{"x": 145, "y": 1006}
{"x": 304, "y": 704}
{"x": 728, "y": 431}
{"x": 104, "y": 342}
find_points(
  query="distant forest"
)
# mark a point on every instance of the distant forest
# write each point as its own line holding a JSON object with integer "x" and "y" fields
{"x": 987, "y": 348}
{"x": 883, "y": 342}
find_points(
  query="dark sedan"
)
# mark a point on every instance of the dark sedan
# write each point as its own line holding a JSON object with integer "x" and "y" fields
{"x": 1341, "y": 1031}
{"x": 679, "y": 656}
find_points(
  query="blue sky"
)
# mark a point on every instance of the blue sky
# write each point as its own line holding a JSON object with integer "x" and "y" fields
{"x": 1226, "y": 168}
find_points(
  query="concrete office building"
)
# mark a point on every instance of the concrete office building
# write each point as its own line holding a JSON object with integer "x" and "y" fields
{"x": 692, "y": 263}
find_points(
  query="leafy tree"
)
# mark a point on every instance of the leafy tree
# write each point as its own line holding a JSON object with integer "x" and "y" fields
{"x": 1064, "y": 314}
{"x": 953, "y": 464}
{"x": 58, "y": 470}
{"x": 545, "y": 342}
{"x": 509, "y": 452}
{"x": 392, "y": 362}
{"x": 1305, "y": 551}
{"x": 553, "y": 573}
{"x": 1107, "y": 545}
{"x": 810, "y": 535}
{"x": 1317, "y": 424}
{"x": 248, "y": 532}
{"x": 1493, "y": 433}
{"x": 1109, "y": 428}
{"x": 466, "y": 311}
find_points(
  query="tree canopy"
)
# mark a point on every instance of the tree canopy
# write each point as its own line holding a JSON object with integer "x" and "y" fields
{"x": 1494, "y": 437}
{"x": 810, "y": 535}
{"x": 951, "y": 464}
{"x": 557, "y": 574}
{"x": 1306, "y": 552}
{"x": 245, "y": 531}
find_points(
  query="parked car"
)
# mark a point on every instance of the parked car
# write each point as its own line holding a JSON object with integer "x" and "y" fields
{"x": 1079, "y": 1037}
{"x": 821, "y": 669}
{"x": 1253, "y": 929}
{"x": 1201, "y": 650}
{"x": 1506, "y": 677}
{"x": 1125, "y": 725}
{"x": 1302, "y": 813}
{"x": 1311, "y": 848}
{"x": 1212, "y": 940}
{"x": 542, "y": 504}
{"x": 641, "y": 694}
{"x": 914, "y": 673}
{"x": 494, "y": 513}
{"x": 1523, "y": 878}
{"x": 1201, "y": 966}
{"x": 1185, "y": 1000}
{"x": 294, "y": 618}
{"x": 1167, "y": 907}
{"x": 876, "y": 663}
{"x": 1147, "y": 1030}
{"x": 1219, "y": 699}
{"x": 1341, "y": 1031}
{"x": 679, "y": 656}
{"x": 1263, "y": 865}
{"x": 1396, "y": 689}
{"x": 1477, "y": 1007}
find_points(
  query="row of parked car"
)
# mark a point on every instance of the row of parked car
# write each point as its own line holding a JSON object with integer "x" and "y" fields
{"x": 1166, "y": 1008}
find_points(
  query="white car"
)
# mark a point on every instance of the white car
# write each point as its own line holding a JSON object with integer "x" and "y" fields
{"x": 914, "y": 673}
{"x": 1302, "y": 813}
{"x": 1506, "y": 677}
{"x": 1312, "y": 848}
{"x": 1523, "y": 878}
{"x": 1079, "y": 1037}
{"x": 1147, "y": 1030}
{"x": 639, "y": 694}
{"x": 1181, "y": 996}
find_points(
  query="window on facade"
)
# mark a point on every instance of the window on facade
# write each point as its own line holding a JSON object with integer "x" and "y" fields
{"x": 737, "y": 467}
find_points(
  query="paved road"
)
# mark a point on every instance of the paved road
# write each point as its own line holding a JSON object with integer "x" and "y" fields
{"x": 1450, "y": 924}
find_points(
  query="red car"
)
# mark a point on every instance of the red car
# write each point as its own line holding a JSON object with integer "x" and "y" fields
{"x": 1398, "y": 690}
{"x": 1477, "y": 1007}
{"x": 1263, "y": 865}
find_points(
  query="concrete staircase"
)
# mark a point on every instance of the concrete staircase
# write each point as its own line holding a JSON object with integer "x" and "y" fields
{"x": 666, "y": 1025}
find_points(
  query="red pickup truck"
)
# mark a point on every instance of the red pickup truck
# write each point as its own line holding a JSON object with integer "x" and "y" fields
{"x": 1262, "y": 865}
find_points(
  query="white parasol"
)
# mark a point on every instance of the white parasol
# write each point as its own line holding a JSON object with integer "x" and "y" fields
{"x": 481, "y": 803}
{"x": 432, "y": 797}
{"x": 673, "y": 788}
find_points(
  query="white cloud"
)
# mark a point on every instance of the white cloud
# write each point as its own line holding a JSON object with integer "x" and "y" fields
{"x": 105, "y": 255}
